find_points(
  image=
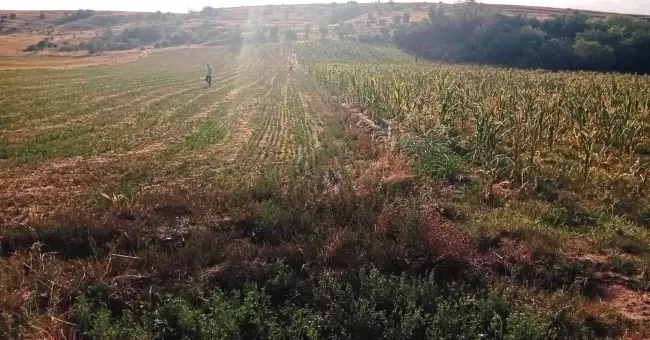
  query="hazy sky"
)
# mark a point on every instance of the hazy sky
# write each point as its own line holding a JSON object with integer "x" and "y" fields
{"x": 622, "y": 6}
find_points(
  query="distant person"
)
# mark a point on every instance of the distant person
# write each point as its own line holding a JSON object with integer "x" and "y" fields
{"x": 208, "y": 76}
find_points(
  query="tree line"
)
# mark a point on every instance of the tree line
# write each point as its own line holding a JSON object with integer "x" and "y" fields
{"x": 571, "y": 41}
{"x": 163, "y": 36}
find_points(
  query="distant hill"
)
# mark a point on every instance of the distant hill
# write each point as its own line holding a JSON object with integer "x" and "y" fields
{"x": 34, "y": 21}
{"x": 73, "y": 30}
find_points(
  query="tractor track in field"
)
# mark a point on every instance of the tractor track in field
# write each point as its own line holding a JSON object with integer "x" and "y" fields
{"x": 240, "y": 127}
{"x": 232, "y": 97}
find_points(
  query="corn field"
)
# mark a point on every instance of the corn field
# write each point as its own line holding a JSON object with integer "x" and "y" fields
{"x": 529, "y": 123}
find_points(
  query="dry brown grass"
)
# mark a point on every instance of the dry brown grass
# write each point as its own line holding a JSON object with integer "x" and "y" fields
{"x": 14, "y": 44}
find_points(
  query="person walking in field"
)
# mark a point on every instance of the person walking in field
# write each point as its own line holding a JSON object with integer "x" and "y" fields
{"x": 208, "y": 76}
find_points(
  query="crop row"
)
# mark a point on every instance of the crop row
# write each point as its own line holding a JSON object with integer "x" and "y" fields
{"x": 510, "y": 120}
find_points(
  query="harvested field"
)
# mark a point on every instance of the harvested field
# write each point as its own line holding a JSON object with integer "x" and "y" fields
{"x": 357, "y": 195}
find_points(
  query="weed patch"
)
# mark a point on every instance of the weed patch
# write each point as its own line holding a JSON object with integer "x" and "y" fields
{"x": 433, "y": 158}
{"x": 208, "y": 133}
{"x": 367, "y": 304}
{"x": 71, "y": 141}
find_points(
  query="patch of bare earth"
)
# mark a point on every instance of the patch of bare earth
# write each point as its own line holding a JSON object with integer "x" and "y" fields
{"x": 633, "y": 305}
{"x": 392, "y": 171}
{"x": 241, "y": 135}
{"x": 31, "y": 194}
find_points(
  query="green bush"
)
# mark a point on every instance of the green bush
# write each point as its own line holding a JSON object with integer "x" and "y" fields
{"x": 78, "y": 15}
{"x": 432, "y": 157}
{"x": 273, "y": 33}
{"x": 345, "y": 12}
{"x": 290, "y": 35}
{"x": 369, "y": 305}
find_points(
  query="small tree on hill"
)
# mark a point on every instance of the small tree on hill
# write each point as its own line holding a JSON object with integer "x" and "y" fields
{"x": 323, "y": 29}
{"x": 397, "y": 19}
{"x": 12, "y": 16}
{"x": 208, "y": 11}
{"x": 42, "y": 15}
{"x": 290, "y": 35}
{"x": 307, "y": 31}
{"x": 259, "y": 34}
{"x": 235, "y": 40}
{"x": 273, "y": 33}
{"x": 385, "y": 32}
{"x": 371, "y": 16}
{"x": 345, "y": 30}
{"x": 406, "y": 17}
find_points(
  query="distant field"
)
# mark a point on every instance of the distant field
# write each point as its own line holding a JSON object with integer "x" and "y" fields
{"x": 67, "y": 61}
{"x": 322, "y": 190}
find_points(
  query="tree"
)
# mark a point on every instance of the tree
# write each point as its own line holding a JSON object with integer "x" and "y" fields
{"x": 345, "y": 12}
{"x": 406, "y": 17}
{"x": 290, "y": 35}
{"x": 12, "y": 16}
{"x": 94, "y": 47}
{"x": 594, "y": 55}
{"x": 371, "y": 16}
{"x": 157, "y": 16}
{"x": 273, "y": 33}
{"x": 41, "y": 44}
{"x": 235, "y": 40}
{"x": 323, "y": 29}
{"x": 385, "y": 32}
{"x": 208, "y": 11}
{"x": 307, "y": 31}
{"x": 566, "y": 25}
{"x": 557, "y": 54}
{"x": 259, "y": 34}
{"x": 345, "y": 30}
{"x": 42, "y": 15}
{"x": 397, "y": 19}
